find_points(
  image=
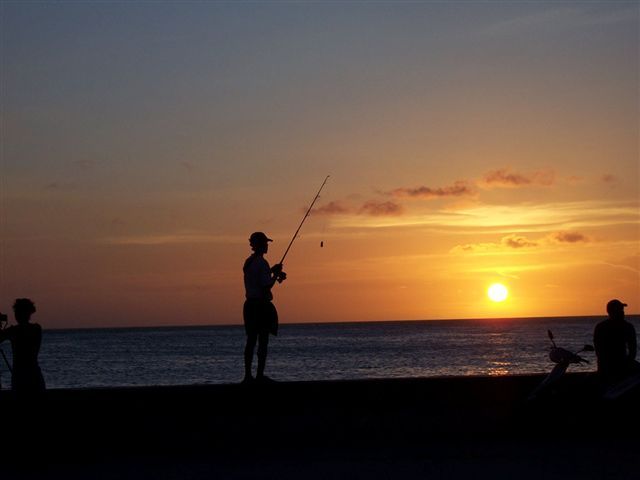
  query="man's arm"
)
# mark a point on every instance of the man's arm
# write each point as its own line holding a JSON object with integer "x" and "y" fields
{"x": 268, "y": 276}
{"x": 597, "y": 340}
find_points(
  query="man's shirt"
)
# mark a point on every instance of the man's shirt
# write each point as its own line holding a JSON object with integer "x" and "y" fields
{"x": 615, "y": 343}
{"x": 257, "y": 278}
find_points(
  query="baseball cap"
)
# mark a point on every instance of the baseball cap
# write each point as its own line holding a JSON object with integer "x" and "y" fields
{"x": 259, "y": 237}
{"x": 615, "y": 304}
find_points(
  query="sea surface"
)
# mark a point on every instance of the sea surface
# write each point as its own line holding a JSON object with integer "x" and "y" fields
{"x": 208, "y": 355}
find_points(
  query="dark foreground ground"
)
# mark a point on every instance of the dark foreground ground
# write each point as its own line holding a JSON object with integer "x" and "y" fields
{"x": 438, "y": 428}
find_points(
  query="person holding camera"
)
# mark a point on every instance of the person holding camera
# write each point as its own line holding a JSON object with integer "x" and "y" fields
{"x": 260, "y": 315}
{"x": 25, "y": 338}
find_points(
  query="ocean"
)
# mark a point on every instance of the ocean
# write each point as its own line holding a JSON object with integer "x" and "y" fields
{"x": 330, "y": 351}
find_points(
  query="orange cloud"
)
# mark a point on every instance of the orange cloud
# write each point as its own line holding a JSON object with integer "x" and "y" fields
{"x": 372, "y": 208}
{"x": 378, "y": 209}
{"x": 517, "y": 241}
{"x": 331, "y": 208}
{"x": 56, "y": 186}
{"x": 514, "y": 241}
{"x": 510, "y": 241}
{"x": 568, "y": 237}
{"x": 458, "y": 189}
{"x": 504, "y": 178}
{"x": 608, "y": 178}
{"x": 187, "y": 165}
{"x": 474, "y": 247}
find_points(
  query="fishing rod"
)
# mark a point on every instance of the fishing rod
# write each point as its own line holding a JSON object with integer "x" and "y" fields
{"x": 303, "y": 219}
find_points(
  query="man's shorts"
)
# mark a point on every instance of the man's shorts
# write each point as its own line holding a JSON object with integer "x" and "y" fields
{"x": 260, "y": 316}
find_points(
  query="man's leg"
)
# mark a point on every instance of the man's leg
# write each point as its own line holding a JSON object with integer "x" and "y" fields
{"x": 248, "y": 354}
{"x": 263, "y": 344}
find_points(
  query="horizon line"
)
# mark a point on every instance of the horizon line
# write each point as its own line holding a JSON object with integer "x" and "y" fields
{"x": 340, "y": 322}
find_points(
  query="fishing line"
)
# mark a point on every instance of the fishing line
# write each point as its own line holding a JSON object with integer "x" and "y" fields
{"x": 295, "y": 235}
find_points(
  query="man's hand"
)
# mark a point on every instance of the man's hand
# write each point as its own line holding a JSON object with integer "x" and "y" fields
{"x": 281, "y": 277}
{"x": 276, "y": 269}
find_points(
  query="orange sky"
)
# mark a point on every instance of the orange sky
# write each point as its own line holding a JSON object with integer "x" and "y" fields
{"x": 467, "y": 144}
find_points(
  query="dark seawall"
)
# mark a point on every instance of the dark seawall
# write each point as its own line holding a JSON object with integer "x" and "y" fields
{"x": 227, "y": 427}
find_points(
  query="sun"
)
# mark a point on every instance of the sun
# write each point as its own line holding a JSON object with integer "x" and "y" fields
{"x": 497, "y": 292}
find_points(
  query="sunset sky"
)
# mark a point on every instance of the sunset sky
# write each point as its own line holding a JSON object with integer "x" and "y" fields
{"x": 468, "y": 143}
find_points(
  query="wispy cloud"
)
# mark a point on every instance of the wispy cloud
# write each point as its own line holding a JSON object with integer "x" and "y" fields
{"x": 372, "y": 208}
{"x": 561, "y": 18}
{"x": 608, "y": 178}
{"x": 59, "y": 186}
{"x": 568, "y": 237}
{"x": 170, "y": 239}
{"x": 544, "y": 217}
{"x": 512, "y": 241}
{"x": 619, "y": 266}
{"x": 515, "y": 241}
{"x": 499, "y": 178}
{"x": 187, "y": 165}
{"x": 331, "y": 208}
{"x": 505, "y": 178}
{"x": 378, "y": 209}
{"x": 458, "y": 189}
{"x": 83, "y": 164}
{"x": 574, "y": 179}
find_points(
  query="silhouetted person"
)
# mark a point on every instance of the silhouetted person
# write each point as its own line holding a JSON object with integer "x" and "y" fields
{"x": 260, "y": 315}
{"x": 25, "y": 338}
{"x": 616, "y": 345}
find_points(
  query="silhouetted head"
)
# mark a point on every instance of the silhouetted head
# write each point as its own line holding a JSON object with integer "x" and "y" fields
{"x": 259, "y": 242}
{"x": 615, "y": 309}
{"x": 23, "y": 308}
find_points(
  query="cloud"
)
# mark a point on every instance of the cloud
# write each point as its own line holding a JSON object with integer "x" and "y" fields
{"x": 508, "y": 242}
{"x": 574, "y": 179}
{"x": 540, "y": 217}
{"x": 505, "y": 178}
{"x": 474, "y": 248}
{"x": 380, "y": 209}
{"x": 58, "y": 186}
{"x": 568, "y": 237}
{"x": 373, "y": 208}
{"x": 561, "y": 18}
{"x": 331, "y": 208}
{"x": 170, "y": 239}
{"x": 458, "y": 189}
{"x": 500, "y": 178}
{"x": 187, "y": 165}
{"x": 517, "y": 241}
{"x": 84, "y": 164}
{"x": 608, "y": 178}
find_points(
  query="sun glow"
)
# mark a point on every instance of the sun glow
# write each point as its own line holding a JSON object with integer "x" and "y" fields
{"x": 497, "y": 292}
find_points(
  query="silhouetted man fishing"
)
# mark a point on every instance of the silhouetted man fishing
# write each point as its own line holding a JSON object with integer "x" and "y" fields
{"x": 615, "y": 342}
{"x": 25, "y": 338}
{"x": 260, "y": 315}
